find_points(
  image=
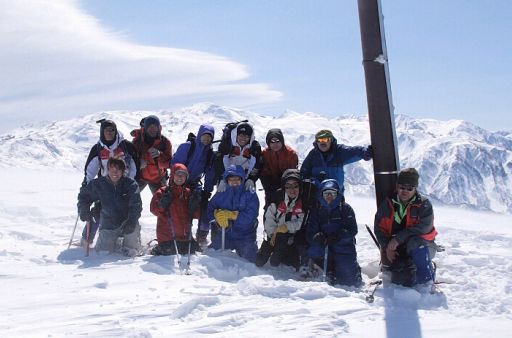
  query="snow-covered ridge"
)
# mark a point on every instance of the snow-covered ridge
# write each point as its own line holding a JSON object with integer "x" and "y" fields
{"x": 460, "y": 163}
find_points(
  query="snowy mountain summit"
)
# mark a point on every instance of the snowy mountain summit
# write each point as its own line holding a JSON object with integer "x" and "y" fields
{"x": 459, "y": 163}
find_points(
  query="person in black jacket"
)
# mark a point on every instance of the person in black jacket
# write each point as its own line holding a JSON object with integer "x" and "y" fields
{"x": 121, "y": 208}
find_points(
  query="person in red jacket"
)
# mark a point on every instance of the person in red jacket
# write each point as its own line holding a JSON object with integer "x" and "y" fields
{"x": 154, "y": 151}
{"x": 404, "y": 226}
{"x": 175, "y": 205}
{"x": 277, "y": 157}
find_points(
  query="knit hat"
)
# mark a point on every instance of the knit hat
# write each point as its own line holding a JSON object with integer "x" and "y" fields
{"x": 408, "y": 176}
{"x": 325, "y": 133}
{"x": 244, "y": 128}
{"x": 274, "y": 133}
{"x": 151, "y": 119}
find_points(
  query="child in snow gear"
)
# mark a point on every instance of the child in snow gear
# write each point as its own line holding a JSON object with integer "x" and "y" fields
{"x": 283, "y": 218}
{"x": 154, "y": 151}
{"x": 235, "y": 210}
{"x": 332, "y": 230}
{"x": 197, "y": 155}
{"x": 175, "y": 205}
{"x": 276, "y": 158}
{"x": 239, "y": 147}
{"x": 121, "y": 208}
{"x": 404, "y": 227}
{"x": 110, "y": 144}
{"x": 327, "y": 158}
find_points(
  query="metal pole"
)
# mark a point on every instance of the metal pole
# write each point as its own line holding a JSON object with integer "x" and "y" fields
{"x": 73, "y": 233}
{"x": 378, "y": 91}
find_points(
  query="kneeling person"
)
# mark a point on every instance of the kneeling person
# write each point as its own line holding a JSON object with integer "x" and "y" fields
{"x": 121, "y": 208}
{"x": 235, "y": 211}
{"x": 175, "y": 205}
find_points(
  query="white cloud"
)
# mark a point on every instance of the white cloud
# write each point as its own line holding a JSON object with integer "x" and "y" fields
{"x": 57, "y": 60}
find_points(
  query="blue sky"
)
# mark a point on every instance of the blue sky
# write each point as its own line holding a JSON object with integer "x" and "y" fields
{"x": 447, "y": 59}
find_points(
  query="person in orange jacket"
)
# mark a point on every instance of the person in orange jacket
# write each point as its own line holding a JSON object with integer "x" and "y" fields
{"x": 154, "y": 151}
{"x": 175, "y": 205}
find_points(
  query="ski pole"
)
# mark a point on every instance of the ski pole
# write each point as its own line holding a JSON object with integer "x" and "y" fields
{"x": 223, "y": 239}
{"x": 87, "y": 245}
{"x": 370, "y": 298}
{"x": 173, "y": 233}
{"x": 326, "y": 255}
{"x": 73, "y": 233}
{"x": 372, "y": 235}
{"x": 187, "y": 271}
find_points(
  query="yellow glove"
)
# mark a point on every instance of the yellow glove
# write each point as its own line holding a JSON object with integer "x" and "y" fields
{"x": 282, "y": 229}
{"x": 232, "y": 215}
{"x": 222, "y": 217}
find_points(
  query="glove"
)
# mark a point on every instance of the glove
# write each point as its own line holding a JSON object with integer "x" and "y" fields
{"x": 319, "y": 238}
{"x": 221, "y": 187}
{"x": 128, "y": 226}
{"x": 205, "y": 196}
{"x": 194, "y": 202}
{"x": 368, "y": 154}
{"x": 332, "y": 239}
{"x": 165, "y": 200}
{"x": 154, "y": 152}
{"x": 282, "y": 229}
{"x": 143, "y": 164}
{"x": 85, "y": 216}
{"x": 249, "y": 185}
{"x": 224, "y": 216}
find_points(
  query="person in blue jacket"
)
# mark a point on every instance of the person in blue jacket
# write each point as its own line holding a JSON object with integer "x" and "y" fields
{"x": 332, "y": 224}
{"x": 236, "y": 211}
{"x": 327, "y": 158}
{"x": 197, "y": 155}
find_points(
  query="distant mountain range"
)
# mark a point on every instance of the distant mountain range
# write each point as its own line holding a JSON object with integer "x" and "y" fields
{"x": 459, "y": 163}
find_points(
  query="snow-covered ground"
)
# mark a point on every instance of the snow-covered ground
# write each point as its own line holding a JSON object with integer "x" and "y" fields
{"x": 48, "y": 290}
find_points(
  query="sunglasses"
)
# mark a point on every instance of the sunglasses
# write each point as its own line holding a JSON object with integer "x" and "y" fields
{"x": 110, "y": 130}
{"x": 406, "y": 187}
{"x": 328, "y": 193}
{"x": 291, "y": 186}
{"x": 275, "y": 141}
{"x": 323, "y": 139}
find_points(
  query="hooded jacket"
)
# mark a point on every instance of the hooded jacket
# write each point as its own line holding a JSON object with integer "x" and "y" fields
{"x": 156, "y": 168}
{"x": 237, "y": 199}
{"x": 178, "y": 210}
{"x": 199, "y": 163}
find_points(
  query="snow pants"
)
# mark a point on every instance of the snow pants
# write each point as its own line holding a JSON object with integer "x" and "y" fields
{"x": 245, "y": 248}
{"x": 108, "y": 238}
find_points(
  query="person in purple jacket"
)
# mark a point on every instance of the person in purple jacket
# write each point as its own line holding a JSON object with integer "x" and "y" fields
{"x": 235, "y": 211}
{"x": 197, "y": 155}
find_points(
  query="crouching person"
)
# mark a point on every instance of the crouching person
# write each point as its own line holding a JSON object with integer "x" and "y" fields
{"x": 332, "y": 227}
{"x": 404, "y": 226}
{"x": 175, "y": 205}
{"x": 283, "y": 218}
{"x": 120, "y": 211}
{"x": 235, "y": 212}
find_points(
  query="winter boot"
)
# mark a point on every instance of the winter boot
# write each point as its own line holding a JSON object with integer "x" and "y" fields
{"x": 201, "y": 237}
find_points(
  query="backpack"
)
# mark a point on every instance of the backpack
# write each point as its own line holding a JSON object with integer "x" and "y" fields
{"x": 225, "y": 145}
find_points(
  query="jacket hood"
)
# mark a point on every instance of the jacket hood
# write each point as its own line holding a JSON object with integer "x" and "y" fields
{"x": 234, "y": 170}
{"x": 290, "y": 174}
{"x": 206, "y": 129}
{"x": 275, "y": 133}
{"x": 330, "y": 184}
{"x": 177, "y": 167}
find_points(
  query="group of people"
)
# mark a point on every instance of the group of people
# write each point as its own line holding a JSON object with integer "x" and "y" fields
{"x": 307, "y": 222}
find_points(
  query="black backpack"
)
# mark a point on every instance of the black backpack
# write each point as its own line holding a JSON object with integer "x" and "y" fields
{"x": 225, "y": 145}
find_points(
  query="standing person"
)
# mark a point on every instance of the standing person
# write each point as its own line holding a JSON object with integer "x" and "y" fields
{"x": 236, "y": 211}
{"x": 121, "y": 207}
{"x": 198, "y": 157}
{"x": 327, "y": 158}
{"x": 174, "y": 205}
{"x": 333, "y": 227}
{"x": 404, "y": 227}
{"x": 276, "y": 158}
{"x": 243, "y": 150}
{"x": 110, "y": 144}
{"x": 154, "y": 151}
{"x": 283, "y": 218}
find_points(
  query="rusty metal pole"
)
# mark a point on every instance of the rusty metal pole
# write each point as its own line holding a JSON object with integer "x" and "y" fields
{"x": 378, "y": 92}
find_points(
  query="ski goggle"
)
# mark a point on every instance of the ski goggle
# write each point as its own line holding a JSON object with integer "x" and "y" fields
{"x": 323, "y": 139}
{"x": 181, "y": 172}
{"x": 406, "y": 187}
{"x": 275, "y": 140}
{"x": 291, "y": 186}
{"x": 327, "y": 193}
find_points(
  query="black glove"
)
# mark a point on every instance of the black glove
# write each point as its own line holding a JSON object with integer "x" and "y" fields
{"x": 332, "y": 239}
{"x": 85, "y": 215}
{"x": 128, "y": 226}
{"x": 205, "y": 196}
{"x": 165, "y": 200}
{"x": 368, "y": 154}
{"x": 319, "y": 238}
{"x": 194, "y": 202}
